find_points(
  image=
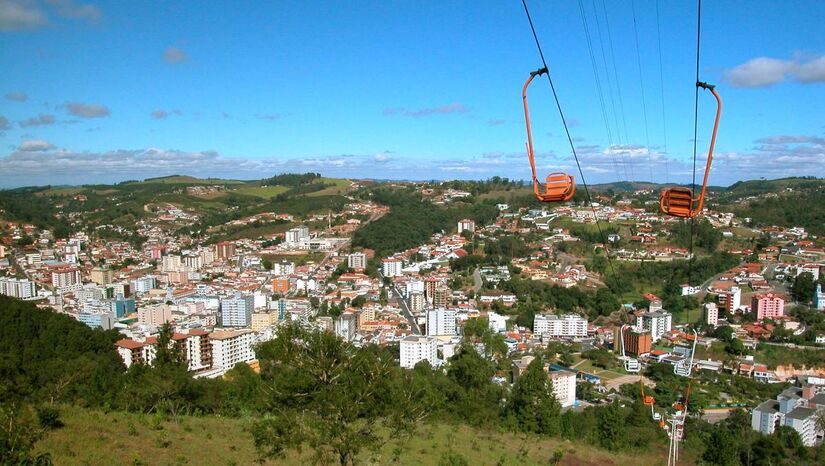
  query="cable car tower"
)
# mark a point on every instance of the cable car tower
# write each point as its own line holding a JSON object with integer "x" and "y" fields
{"x": 630, "y": 364}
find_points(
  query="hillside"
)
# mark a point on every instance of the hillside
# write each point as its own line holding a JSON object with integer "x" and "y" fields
{"x": 97, "y": 437}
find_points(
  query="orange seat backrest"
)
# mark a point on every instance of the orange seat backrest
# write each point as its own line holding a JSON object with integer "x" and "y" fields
{"x": 558, "y": 187}
{"x": 678, "y": 202}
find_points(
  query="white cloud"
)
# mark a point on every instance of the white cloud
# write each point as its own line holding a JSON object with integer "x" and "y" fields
{"x": 17, "y": 96}
{"x": 87, "y": 110}
{"x": 17, "y": 15}
{"x": 39, "y": 120}
{"x": 383, "y": 157}
{"x": 35, "y": 145}
{"x": 175, "y": 55}
{"x": 70, "y": 9}
{"x": 765, "y": 71}
{"x": 454, "y": 107}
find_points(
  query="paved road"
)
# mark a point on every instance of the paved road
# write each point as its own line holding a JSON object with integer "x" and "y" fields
{"x": 405, "y": 310}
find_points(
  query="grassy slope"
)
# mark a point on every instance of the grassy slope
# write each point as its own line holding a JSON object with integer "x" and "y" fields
{"x": 94, "y": 437}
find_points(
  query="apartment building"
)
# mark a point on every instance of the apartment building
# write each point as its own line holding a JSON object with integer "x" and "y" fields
{"x": 17, "y": 288}
{"x": 237, "y": 311}
{"x": 391, "y": 267}
{"x": 767, "y": 306}
{"x": 568, "y": 325}
{"x": 416, "y": 348}
{"x": 357, "y": 261}
{"x": 230, "y": 347}
{"x": 441, "y": 322}
{"x": 657, "y": 323}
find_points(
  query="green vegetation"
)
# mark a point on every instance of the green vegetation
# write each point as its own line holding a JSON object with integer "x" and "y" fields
{"x": 412, "y": 220}
{"x": 264, "y": 192}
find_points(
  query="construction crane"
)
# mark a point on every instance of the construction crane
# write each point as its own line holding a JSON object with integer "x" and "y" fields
{"x": 630, "y": 364}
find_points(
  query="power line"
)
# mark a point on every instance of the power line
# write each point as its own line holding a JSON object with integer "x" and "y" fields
{"x": 609, "y": 86}
{"x": 642, "y": 87}
{"x": 618, "y": 86}
{"x": 599, "y": 89}
{"x": 695, "y": 131}
{"x": 662, "y": 88}
{"x": 567, "y": 132}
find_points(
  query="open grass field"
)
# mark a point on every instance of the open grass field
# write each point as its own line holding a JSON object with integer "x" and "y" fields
{"x": 95, "y": 437}
{"x": 263, "y": 192}
{"x": 340, "y": 186}
{"x": 186, "y": 180}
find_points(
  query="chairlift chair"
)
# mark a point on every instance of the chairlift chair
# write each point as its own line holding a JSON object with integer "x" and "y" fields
{"x": 558, "y": 186}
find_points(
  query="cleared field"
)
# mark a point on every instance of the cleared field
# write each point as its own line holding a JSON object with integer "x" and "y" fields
{"x": 69, "y": 191}
{"x": 341, "y": 186}
{"x": 264, "y": 192}
{"x": 95, "y": 437}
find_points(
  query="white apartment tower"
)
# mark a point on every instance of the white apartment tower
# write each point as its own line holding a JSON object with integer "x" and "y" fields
{"x": 568, "y": 325}
{"x": 357, "y": 260}
{"x": 391, "y": 267}
{"x": 237, "y": 311}
{"x": 441, "y": 322}
{"x": 417, "y": 348}
{"x": 657, "y": 323}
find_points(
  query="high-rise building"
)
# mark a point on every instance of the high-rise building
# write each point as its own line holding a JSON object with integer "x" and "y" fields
{"x": 767, "y": 306}
{"x": 280, "y": 285}
{"x": 357, "y": 261}
{"x": 441, "y": 322}
{"x": 295, "y": 235}
{"x": 224, "y": 250}
{"x": 391, "y": 267}
{"x": 417, "y": 301}
{"x": 466, "y": 225}
{"x": 417, "y": 348}
{"x": 102, "y": 320}
{"x": 657, "y": 323}
{"x": 101, "y": 275}
{"x": 568, "y": 325}
{"x": 262, "y": 320}
{"x": 237, "y": 311}
{"x": 711, "y": 314}
{"x": 17, "y": 288}
{"x": 637, "y": 343}
{"x": 345, "y": 326}
{"x": 171, "y": 263}
{"x": 155, "y": 315}
{"x": 442, "y": 297}
{"x": 413, "y": 286}
{"x": 731, "y": 300}
{"x": 67, "y": 278}
{"x": 122, "y": 306}
{"x": 144, "y": 284}
{"x": 564, "y": 386}
{"x": 230, "y": 347}
{"x": 430, "y": 285}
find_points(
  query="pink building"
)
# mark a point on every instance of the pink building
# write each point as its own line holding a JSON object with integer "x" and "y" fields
{"x": 767, "y": 306}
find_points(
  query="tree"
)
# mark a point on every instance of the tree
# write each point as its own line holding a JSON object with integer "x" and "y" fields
{"x": 722, "y": 448}
{"x": 331, "y": 396}
{"x": 803, "y": 287}
{"x": 532, "y": 402}
{"x": 611, "y": 430}
{"x": 267, "y": 264}
{"x": 473, "y": 395}
{"x": 18, "y": 435}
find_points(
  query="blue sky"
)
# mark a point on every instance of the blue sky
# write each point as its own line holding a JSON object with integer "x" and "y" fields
{"x": 107, "y": 91}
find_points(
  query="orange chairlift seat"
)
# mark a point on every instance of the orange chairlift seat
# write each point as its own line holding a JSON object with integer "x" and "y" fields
{"x": 558, "y": 187}
{"x": 679, "y": 201}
